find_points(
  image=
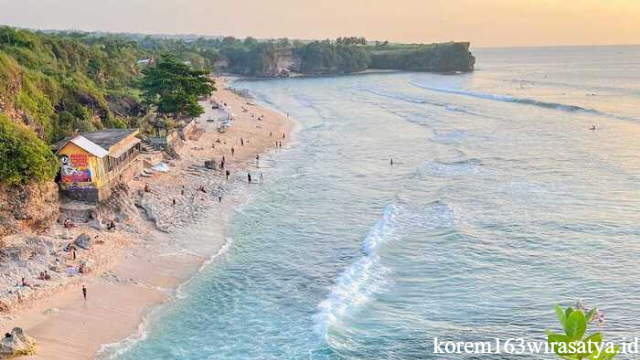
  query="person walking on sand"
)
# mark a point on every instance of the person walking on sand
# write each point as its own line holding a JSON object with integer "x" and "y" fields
{"x": 258, "y": 160}
{"x": 84, "y": 292}
{"x": 228, "y": 173}
{"x": 249, "y": 177}
{"x": 241, "y": 141}
{"x": 233, "y": 151}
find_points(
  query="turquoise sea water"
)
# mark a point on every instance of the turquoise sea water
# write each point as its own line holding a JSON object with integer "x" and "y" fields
{"x": 500, "y": 204}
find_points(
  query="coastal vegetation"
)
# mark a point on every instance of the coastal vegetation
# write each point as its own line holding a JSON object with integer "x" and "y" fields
{"x": 574, "y": 343}
{"x": 173, "y": 88}
{"x": 55, "y": 84}
{"x": 445, "y": 57}
{"x": 25, "y": 157}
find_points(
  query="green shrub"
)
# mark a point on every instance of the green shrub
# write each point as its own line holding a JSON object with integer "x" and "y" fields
{"x": 574, "y": 343}
{"x": 36, "y": 105}
{"x": 24, "y": 158}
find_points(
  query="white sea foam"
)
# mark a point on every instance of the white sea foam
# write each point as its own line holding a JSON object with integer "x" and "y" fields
{"x": 508, "y": 98}
{"x": 367, "y": 276}
{"x": 358, "y": 282}
{"x": 114, "y": 350}
{"x": 180, "y": 291}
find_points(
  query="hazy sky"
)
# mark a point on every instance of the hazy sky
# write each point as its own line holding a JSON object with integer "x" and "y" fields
{"x": 483, "y": 22}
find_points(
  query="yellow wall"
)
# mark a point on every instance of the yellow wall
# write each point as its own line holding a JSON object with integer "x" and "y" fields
{"x": 80, "y": 166}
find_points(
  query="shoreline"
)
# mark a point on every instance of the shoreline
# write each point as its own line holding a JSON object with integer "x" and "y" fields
{"x": 148, "y": 266}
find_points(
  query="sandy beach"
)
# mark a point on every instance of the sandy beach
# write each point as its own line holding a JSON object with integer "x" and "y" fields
{"x": 142, "y": 264}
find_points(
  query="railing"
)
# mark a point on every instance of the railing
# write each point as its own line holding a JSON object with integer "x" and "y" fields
{"x": 118, "y": 169}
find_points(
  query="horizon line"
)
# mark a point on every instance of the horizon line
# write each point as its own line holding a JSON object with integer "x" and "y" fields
{"x": 318, "y": 39}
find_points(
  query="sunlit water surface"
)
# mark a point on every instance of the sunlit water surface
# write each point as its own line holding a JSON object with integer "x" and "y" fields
{"x": 501, "y": 203}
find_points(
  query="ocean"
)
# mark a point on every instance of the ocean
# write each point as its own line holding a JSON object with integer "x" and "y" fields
{"x": 501, "y": 203}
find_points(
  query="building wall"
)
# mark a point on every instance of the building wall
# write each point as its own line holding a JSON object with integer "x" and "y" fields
{"x": 80, "y": 174}
{"x": 87, "y": 178}
{"x": 79, "y": 167}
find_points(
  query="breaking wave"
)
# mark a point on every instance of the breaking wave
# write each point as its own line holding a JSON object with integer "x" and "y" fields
{"x": 368, "y": 276}
{"x": 509, "y": 98}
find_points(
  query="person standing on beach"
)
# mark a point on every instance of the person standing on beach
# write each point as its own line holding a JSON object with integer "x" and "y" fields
{"x": 258, "y": 160}
{"x": 228, "y": 173}
{"x": 241, "y": 141}
{"x": 249, "y": 177}
{"x": 261, "y": 179}
{"x": 233, "y": 151}
{"x": 391, "y": 162}
{"x": 84, "y": 292}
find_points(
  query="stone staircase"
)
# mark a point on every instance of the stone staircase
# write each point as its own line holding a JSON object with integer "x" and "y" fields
{"x": 149, "y": 149}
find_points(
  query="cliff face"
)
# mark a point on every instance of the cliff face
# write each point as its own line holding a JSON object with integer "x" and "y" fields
{"x": 446, "y": 57}
{"x": 328, "y": 58}
{"x": 28, "y": 209}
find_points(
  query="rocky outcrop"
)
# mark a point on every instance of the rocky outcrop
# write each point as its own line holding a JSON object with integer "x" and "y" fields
{"x": 83, "y": 241}
{"x": 17, "y": 343}
{"x": 445, "y": 57}
{"x": 28, "y": 209}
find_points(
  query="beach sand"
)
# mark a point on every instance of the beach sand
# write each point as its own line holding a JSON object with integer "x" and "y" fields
{"x": 145, "y": 269}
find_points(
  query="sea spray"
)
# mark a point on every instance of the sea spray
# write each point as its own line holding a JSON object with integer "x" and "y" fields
{"x": 361, "y": 280}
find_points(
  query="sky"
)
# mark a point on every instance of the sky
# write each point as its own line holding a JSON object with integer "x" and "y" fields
{"x": 485, "y": 23}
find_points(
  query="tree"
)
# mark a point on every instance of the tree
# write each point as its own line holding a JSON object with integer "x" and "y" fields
{"x": 174, "y": 88}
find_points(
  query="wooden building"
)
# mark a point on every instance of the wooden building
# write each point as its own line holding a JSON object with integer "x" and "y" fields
{"x": 92, "y": 163}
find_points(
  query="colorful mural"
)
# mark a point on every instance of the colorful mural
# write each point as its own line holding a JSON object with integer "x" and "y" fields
{"x": 74, "y": 168}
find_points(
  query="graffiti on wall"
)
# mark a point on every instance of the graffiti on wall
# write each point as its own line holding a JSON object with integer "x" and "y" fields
{"x": 74, "y": 168}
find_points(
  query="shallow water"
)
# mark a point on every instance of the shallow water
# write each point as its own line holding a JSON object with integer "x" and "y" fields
{"x": 500, "y": 203}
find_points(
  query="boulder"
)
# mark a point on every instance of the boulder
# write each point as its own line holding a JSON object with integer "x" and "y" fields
{"x": 95, "y": 224}
{"x": 83, "y": 241}
{"x": 17, "y": 343}
{"x": 210, "y": 164}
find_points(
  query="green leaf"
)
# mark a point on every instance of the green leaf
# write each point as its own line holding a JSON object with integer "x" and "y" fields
{"x": 576, "y": 325}
{"x": 606, "y": 356}
{"x": 594, "y": 339}
{"x": 558, "y": 339}
{"x": 560, "y": 315}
